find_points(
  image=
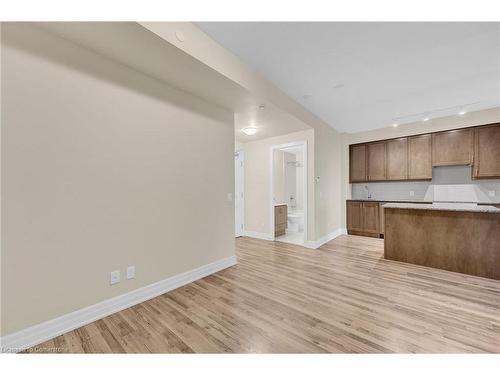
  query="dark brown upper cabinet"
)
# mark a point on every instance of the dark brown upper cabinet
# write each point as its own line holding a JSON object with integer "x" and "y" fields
{"x": 357, "y": 163}
{"x": 412, "y": 158}
{"x": 487, "y": 152}
{"x": 397, "y": 159}
{"x": 453, "y": 147}
{"x": 419, "y": 157}
{"x": 377, "y": 161}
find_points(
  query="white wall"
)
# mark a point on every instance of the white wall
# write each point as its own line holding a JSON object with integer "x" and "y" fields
{"x": 102, "y": 168}
{"x": 299, "y": 182}
{"x": 328, "y": 206}
{"x": 445, "y": 123}
{"x": 290, "y": 179}
{"x": 279, "y": 177}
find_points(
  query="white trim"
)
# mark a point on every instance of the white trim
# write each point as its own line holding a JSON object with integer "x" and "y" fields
{"x": 241, "y": 155}
{"x": 258, "y": 235}
{"x": 320, "y": 242}
{"x": 303, "y": 144}
{"x": 39, "y": 333}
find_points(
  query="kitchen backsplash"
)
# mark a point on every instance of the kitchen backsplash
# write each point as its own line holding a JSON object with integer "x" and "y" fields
{"x": 440, "y": 176}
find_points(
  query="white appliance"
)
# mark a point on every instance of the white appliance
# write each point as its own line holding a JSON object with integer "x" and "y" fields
{"x": 465, "y": 195}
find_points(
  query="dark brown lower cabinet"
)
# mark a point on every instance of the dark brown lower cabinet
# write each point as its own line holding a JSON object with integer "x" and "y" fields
{"x": 382, "y": 218}
{"x": 363, "y": 218}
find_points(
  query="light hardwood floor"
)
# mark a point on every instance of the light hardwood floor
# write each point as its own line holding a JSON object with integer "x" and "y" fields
{"x": 280, "y": 297}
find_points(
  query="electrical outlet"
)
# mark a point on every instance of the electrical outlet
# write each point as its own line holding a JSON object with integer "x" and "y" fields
{"x": 115, "y": 277}
{"x": 491, "y": 193}
{"x": 130, "y": 272}
{"x": 412, "y": 193}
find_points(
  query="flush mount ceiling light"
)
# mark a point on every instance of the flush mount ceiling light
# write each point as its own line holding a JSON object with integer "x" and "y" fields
{"x": 395, "y": 125}
{"x": 462, "y": 112}
{"x": 426, "y": 118}
{"x": 250, "y": 130}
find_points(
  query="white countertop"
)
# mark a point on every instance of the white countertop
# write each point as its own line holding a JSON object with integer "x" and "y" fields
{"x": 444, "y": 207}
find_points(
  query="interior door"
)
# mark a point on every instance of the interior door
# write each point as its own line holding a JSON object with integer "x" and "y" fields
{"x": 239, "y": 194}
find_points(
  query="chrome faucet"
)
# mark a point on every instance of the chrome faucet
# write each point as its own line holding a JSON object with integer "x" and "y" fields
{"x": 368, "y": 194}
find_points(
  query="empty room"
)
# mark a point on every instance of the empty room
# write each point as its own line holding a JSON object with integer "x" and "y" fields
{"x": 293, "y": 186}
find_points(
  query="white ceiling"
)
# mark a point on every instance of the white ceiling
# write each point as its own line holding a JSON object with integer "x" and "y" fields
{"x": 362, "y": 76}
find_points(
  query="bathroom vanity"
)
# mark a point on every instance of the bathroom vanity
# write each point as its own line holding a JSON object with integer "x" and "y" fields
{"x": 280, "y": 219}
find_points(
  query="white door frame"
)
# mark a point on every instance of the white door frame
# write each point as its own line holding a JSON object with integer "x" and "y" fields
{"x": 303, "y": 144}
{"x": 240, "y": 231}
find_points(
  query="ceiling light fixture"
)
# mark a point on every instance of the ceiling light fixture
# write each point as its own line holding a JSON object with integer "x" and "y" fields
{"x": 426, "y": 118}
{"x": 262, "y": 106}
{"x": 250, "y": 130}
{"x": 395, "y": 125}
{"x": 462, "y": 112}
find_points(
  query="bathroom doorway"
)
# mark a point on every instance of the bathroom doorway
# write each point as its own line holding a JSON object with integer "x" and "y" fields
{"x": 289, "y": 193}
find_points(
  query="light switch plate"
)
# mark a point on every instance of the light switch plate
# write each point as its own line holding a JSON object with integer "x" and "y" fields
{"x": 115, "y": 277}
{"x": 130, "y": 272}
{"x": 412, "y": 193}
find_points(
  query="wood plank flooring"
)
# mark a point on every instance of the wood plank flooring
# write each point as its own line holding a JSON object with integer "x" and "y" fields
{"x": 280, "y": 298}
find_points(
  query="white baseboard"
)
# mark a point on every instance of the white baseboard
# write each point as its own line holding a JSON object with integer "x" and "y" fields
{"x": 39, "y": 333}
{"x": 308, "y": 244}
{"x": 258, "y": 235}
{"x": 325, "y": 239}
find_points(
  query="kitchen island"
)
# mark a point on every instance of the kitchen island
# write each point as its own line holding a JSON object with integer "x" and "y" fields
{"x": 459, "y": 237}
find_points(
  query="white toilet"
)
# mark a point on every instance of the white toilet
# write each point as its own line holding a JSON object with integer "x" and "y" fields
{"x": 295, "y": 219}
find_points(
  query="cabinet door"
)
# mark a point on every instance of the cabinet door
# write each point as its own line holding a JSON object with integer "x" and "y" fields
{"x": 280, "y": 215}
{"x": 419, "y": 157}
{"x": 397, "y": 164}
{"x": 371, "y": 218}
{"x": 357, "y": 163}
{"x": 355, "y": 216}
{"x": 487, "y": 152}
{"x": 452, "y": 147}
{"x": 381, "y": 217}
{"x": 376, "y": 161}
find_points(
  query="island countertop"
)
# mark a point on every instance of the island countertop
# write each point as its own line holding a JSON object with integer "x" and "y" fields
{"x": 444, "y": 207}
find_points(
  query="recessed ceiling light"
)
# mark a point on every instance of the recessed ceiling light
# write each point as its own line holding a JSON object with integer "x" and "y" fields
{"x": 250, "y": 130}
{"x": 462, "y": 112}
{"x": 262, "y": 106}
{"x": 395, "y": 125}
{"x": 426, "y": 118}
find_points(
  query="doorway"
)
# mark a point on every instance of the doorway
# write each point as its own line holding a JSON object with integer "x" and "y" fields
{"x": 239, "y": 201}
{"x": 289, "y": 193}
